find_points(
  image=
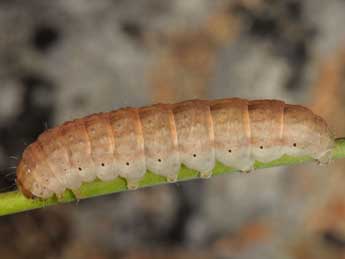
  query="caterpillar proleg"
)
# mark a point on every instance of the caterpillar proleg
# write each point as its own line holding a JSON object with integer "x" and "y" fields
{"x": 197, "y": 133}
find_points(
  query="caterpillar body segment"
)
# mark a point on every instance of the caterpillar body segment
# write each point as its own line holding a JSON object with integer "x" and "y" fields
{"x": 55, "y": 155}
{"x": 102, "y": 145}
{"x": 160, "y": 140}
{"x": 129, "y": 149}
{"x": 195, "y": 135}
{"x": 232, "y": 133}
{"x": 129, "y": 141}
{"x": 266, "y": 135}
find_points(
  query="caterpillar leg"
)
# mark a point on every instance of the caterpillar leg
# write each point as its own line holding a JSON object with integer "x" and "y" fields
{"x": 132, "y": 184}
{"x": 325, "y": 158}
{"x": 77, "y": 194}
{"x": 172, "y": 178}
{"x": 247, "y": 170}
{"x": 206, "y": 175}
{"x": 60, "y": 196}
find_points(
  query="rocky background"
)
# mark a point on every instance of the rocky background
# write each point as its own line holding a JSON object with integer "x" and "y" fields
{"x": 67, "y": 58}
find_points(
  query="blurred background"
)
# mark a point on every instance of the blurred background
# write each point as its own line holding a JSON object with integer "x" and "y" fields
{"x": 67, "y": 58}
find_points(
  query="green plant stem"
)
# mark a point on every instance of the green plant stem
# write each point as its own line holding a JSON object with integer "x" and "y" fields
{"x": 14, "y": 202}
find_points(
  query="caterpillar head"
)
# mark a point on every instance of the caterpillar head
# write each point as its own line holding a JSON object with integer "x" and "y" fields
{"x": 23, "y": 182}
{"x": 27, "y": 181}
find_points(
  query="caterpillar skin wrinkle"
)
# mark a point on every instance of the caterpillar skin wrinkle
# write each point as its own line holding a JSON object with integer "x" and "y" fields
{"x": 129, "y": 141}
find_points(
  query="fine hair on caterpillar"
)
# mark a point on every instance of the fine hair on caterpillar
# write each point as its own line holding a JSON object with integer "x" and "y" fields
{"x": 159, "y": 138}
{"x": 8, "y": 175}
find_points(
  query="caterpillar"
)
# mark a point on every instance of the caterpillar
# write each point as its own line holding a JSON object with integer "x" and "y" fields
{"x": 129, "y": 141}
